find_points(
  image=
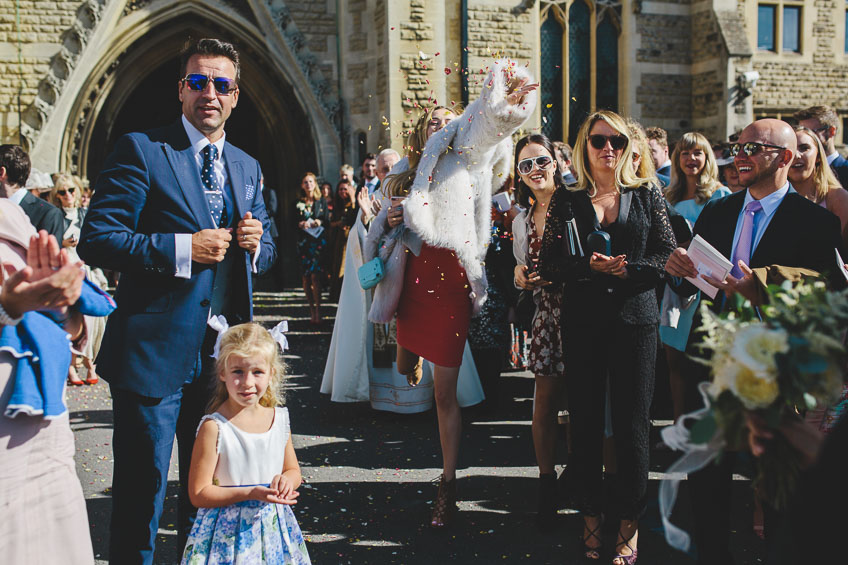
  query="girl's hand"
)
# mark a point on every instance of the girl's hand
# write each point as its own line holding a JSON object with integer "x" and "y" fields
{"x": 285, "y": 488}
{"x": 265, "y": 494}
{"x": 616, "y": 266}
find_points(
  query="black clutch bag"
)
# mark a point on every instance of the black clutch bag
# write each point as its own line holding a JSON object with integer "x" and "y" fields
{"x": 525, "y": 309}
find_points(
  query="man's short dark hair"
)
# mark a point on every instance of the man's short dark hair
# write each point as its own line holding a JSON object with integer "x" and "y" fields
{"x": 657, "y": 134}
{"x": 210, "y": 47}
{"x": 826, "y": 115}
{"x": 564, "y": 150}
{"x": 16, "y": 162}
{"x": 369, "y": 156}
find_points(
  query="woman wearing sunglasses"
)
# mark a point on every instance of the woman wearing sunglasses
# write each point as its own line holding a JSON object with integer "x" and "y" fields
{"x": 812, "y": 177}
{"x": 447, "y": 216}
{"x": 539, "y": 191}
{"x": 609, "y": 321}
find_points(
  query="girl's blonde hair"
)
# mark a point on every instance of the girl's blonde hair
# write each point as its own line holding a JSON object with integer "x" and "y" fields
{"x": 65, "y": 181}
{"x": 316, "y": 192}
{"x": 247, "y": 340}
{"x": 625, "y": 176}
{"x": 646, "y": 168}
{"x": 708, "y": 181}
{"x": 399, "y": 185}
{"x": 823, "y": 175}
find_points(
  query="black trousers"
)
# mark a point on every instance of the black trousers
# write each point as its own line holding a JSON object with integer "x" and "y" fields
{"x": 627, "y": 354}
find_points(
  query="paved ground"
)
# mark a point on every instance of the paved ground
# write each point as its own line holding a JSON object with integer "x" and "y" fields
{"x": 368, "y": 475}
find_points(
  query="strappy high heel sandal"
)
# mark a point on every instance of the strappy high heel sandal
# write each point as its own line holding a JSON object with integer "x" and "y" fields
{"x": 621, "y": 559}
{"x": 589, "y": 552}
{"x": 444, "y": 509}
{"x": 414, "y": 376}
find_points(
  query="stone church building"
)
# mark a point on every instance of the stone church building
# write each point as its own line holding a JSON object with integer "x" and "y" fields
{"x": 325, "y": 81}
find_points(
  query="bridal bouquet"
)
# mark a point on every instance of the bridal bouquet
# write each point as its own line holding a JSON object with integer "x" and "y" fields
{"x": 792, "y": 360}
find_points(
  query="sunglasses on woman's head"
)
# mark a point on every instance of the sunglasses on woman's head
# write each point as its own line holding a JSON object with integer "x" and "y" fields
{"x": 198, "y": 82}
{"x": 617, "y": 142}
{"x": 542, "y": 162}
{"x": 63, "y": 191}
{"x": 751, "y": 148}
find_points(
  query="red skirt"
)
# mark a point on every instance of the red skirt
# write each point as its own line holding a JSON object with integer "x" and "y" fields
{"x": 435, "y": 307}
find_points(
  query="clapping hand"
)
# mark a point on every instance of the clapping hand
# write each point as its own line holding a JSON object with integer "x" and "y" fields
{"x": 49, "y": 282}
{"x": 615, "y": 266}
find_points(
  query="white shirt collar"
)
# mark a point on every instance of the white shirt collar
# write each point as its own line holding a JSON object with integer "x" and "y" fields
{"x": 770, "y": 202}
{"x": 198, "y": 140}
{"x": 666, "y": 164}
{"x": 832, "y": 157}
{"x": 18, "y": 196}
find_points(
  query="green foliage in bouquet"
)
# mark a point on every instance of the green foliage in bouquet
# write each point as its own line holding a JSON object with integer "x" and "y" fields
{"x": 793, "y": 360}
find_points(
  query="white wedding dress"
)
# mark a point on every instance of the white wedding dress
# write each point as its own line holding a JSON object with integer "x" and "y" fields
{"x": 350, "y": 375}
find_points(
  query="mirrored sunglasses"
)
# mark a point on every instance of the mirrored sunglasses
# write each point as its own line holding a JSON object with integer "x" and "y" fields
{"x": 751, "y": 148}
{"x": 542, "y": 162}
{"x": 198, "y": 82}
{"x": 617, "y": 142}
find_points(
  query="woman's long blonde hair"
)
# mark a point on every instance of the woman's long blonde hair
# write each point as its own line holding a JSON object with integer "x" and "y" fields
{"x": 625, "y": 176}
{"x": 247, "y": 340}
{"x": 399, "y": 184}
{"x": 823, "y": 175}
{"x": 65, "y": 181}
{"x": 708, "y": 181}
{"x": 316, "y": 193}
{"x": 646, "y": 168}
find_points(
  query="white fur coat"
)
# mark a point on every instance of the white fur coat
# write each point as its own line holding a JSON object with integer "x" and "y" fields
{"x": 450, "y": 202}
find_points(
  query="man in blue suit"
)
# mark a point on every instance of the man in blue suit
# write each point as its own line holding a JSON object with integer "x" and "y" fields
{"x": 658, "y": 142}
{"x": 824, "y": 121}
{"x": 179, "y": 212}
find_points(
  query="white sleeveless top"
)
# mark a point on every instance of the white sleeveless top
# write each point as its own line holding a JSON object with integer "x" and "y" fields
{"x": 250, "y": 459}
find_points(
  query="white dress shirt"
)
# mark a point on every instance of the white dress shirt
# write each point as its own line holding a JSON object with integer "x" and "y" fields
{"x": 182, "y": 241}
{"x": 832, "y": 157}
{"x": 18, "y": 196}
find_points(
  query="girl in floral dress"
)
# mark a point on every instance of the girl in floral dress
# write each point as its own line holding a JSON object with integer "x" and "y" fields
{"x": 244, "y": 473}
{"x": 538, "y": 177}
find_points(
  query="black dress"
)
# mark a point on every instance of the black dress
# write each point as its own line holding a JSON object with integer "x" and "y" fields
{"x": 609, "y": 328}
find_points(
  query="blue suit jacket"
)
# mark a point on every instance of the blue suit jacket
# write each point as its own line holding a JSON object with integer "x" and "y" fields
{"x": 840, "y": 167}
{"x": 149, "y": 190}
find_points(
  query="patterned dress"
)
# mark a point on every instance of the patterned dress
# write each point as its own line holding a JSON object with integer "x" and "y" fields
{"x": 309, "y": 248}
{"x": 546, "y": 340}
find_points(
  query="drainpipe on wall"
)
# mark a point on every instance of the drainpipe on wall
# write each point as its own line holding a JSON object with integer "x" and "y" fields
{"x": 20, "y": 74}
{"x": 339, "y": 74}
{"x": 464, "y": 47}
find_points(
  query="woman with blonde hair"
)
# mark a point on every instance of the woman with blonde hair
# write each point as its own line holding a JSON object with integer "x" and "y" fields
{"x": 621, "y": 240}
{"x": 447, "y": 225}
{"x": 312, "y": 218}
{"x": 694, "y": 182}
{"x": 813, "y": 178}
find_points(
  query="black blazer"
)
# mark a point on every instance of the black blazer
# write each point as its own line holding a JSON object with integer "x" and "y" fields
{"x": 44, "y": 216}
{"x": 840, "y": 168}
{"x": 643, "y": 233}
{"x": 800, "y": 234}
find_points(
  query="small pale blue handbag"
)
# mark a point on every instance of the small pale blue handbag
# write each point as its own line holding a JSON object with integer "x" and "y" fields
{"x": 371, "y": 273}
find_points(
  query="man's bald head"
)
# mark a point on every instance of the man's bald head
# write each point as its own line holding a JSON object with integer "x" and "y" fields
{"x": 766, "y": 169}
{"x": 771, "y": 131}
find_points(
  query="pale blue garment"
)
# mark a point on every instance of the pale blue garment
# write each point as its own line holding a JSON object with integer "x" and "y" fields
{"x": 677, "y": 337}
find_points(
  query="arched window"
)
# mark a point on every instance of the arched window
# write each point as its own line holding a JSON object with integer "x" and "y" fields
{"x": 580, "y": 67}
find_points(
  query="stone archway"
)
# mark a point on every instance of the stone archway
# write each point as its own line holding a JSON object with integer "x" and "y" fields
{"x": 134, "y": 87}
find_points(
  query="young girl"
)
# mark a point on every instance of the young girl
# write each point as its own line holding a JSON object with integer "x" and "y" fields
{"x": 244, "y": 473}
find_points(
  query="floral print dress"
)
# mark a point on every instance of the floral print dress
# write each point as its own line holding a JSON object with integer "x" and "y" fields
{"x": 546, "y": 341}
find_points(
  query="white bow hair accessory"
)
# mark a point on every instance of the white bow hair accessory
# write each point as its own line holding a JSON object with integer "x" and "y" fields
{"x": 220, "y": 325}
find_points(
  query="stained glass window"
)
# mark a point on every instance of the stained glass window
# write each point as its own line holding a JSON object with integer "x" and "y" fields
{"x": 579, "y": 69}
{"x": 606, "y": 72}
{"x": 551, "y": 83}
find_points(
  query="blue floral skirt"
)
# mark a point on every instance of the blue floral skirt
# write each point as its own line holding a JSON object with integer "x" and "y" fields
{"x": 248, "y": 532}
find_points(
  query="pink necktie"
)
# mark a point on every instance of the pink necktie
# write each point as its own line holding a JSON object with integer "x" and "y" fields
{"x": 746, "y": 238}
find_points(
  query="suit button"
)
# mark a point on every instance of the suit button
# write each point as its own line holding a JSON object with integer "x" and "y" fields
{"x": 205, "y": 302}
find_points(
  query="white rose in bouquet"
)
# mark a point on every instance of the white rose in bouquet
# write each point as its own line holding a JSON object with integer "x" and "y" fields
{"x": 755, "y": 346}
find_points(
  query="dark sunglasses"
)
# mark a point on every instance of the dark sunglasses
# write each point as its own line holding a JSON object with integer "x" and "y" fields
{"x": 751, "y": 148}
{"x": 198, "y": 82}
{"x": 62, "y": 192}
{"x": 542, "y": 162}
{"x": 617, "y": 142}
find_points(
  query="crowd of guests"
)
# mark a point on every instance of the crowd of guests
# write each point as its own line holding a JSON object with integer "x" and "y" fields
{"x": 583, "y": 250}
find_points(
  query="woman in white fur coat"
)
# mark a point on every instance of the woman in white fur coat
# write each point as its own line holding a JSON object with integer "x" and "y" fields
{"x": 434, "y": 262}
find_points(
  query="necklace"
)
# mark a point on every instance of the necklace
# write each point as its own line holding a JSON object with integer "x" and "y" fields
{"x": 606, "y": 196}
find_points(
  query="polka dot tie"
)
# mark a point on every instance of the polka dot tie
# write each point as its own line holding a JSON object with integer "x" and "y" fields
{"x": 214, "y": 194}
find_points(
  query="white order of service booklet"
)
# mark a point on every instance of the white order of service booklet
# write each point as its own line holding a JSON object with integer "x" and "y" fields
{"x": 708, "y": 261}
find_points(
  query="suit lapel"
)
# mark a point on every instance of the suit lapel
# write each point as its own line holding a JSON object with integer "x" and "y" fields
{"x": 181, "y": 158}
{"x": 724, "y": 227}
{"x": 235, "y": 172}
{"x": 624, "y": 206}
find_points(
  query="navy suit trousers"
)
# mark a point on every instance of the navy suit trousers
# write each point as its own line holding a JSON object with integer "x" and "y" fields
{"x": 144, "y": 430}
